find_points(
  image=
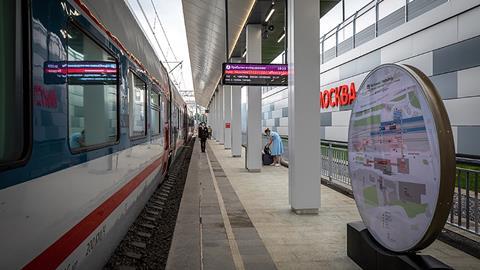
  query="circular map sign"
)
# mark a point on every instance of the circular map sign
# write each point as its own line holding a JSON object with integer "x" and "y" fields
{"x": 401, "y": 157}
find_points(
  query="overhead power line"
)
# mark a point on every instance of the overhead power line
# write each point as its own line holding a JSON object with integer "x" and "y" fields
{"x": 154, "y": 35}
{"x": 163, "y": 30}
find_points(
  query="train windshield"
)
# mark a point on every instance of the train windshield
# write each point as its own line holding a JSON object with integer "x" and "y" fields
{"x": 11, "y": 102}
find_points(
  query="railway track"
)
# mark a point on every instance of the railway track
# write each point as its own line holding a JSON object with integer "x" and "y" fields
{"x": 147, "y": 242}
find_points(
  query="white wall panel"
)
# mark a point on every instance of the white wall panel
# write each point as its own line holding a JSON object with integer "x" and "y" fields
{"x": 281, "y": 104}
{"x": 341, "y": 118}
{"x": 277, "y": 114}
{"x": 336, "y": 133}
{"x": 332, "y": 75}
{"x": 284, "y": 122}
{"x": 397, "y": 51}
{"x": 437, "y": 36}
{"x": 464, "y": 111}
{"x": 270, "y": 122}
{"x": 469, "y": 82}
{"x": 468, "y": 24}
{"x": 424, "y": 62}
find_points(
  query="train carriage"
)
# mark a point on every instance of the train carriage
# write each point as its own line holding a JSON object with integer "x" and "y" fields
{"x": 89, "y": 122}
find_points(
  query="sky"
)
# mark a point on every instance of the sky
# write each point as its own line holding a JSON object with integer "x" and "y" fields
{"x": 170, "y": 13}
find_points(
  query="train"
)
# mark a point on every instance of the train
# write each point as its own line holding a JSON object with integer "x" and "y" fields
{"x": 90, "y": 122}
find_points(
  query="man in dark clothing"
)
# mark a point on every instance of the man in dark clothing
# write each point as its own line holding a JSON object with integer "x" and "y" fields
{"x": 202, "y": 134}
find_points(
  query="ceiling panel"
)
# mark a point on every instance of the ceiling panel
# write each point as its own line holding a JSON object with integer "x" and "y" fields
{"x": 206, "y": 35}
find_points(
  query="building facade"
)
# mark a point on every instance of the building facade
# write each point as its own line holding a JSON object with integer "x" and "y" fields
{"x": 439, "y": 37}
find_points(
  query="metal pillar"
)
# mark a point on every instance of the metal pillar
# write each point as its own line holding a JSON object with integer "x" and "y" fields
{"x": 214, "y": 117}
{"x": 254, "y": 99}
{"x": 303, "y": 106}
{"x": 221, "y": 132}
{"x": 236, "y": 119}
{"x": 227, "y": 116}
{"x": 217, "y": 115}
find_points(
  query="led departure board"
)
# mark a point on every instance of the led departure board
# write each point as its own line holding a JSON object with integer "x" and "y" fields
{"x": 255, "y": 74}
{"x": 80, "y": 72}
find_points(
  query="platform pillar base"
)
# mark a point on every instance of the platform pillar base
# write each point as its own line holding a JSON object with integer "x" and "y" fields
{"x": 369, "y": 254}
{"x": 307, "y": 211}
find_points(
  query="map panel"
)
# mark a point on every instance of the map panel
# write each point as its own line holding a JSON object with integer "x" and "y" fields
{"x": 393, "y": 158}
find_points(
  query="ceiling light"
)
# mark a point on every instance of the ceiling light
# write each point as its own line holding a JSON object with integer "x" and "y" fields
{"x": 270, "y": 13}
{"x": 281, "y": 37}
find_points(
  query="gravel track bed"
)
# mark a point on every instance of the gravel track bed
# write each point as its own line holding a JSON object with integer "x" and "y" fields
{"x": 147, "y": 242}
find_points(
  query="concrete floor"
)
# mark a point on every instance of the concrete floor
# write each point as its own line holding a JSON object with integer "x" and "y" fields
{"x": 306, "y": 242}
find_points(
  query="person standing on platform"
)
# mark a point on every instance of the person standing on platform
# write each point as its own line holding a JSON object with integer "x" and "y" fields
{"x": 209, "y": 132}
{"x": 276, "y": 146}
{"x": 202, "y": 134}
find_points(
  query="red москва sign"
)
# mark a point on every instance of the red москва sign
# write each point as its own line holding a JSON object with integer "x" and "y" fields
{"x": 338, "y": 96}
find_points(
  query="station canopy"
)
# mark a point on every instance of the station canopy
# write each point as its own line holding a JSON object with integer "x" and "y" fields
{"x": 205, "y": 23}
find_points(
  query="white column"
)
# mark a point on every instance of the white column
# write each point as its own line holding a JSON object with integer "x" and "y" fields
{"x": 303, "y": 106}
{"x": 217, "y": 116}
{"x": 214, "y": 117}
{"x": 254, "y": 99}
{"x": 221, "y": 132}
{"x": 227, "y": 116}
{"x": 236, "y": 121}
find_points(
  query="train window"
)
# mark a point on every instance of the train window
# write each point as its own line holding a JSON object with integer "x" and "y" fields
{"x": 136, "y": 96}
{"x": 155, "y": 112}
{"x": 92, "y": 92}
{"x": 13, "y": 128}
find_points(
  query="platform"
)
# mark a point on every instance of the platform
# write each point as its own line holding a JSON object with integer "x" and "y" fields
{"x": 242, "y": 220}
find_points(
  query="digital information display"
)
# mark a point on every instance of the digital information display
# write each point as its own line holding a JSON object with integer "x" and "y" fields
{"x": 401, "y": 158}
{"x": 80, "y": 72}
{"x": 255, "y": 74}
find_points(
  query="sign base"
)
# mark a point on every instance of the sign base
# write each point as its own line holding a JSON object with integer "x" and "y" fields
{"x": 369, "y": 254}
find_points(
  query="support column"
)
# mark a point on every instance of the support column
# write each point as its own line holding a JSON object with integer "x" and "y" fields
{"x": 227, "y": 116}
{"x": 221, "y": 132}
{"x": 254, "y": 99}
{"x": 217, "y": 116}
{"x": 214, "y": 117}
{"x": 236, "y": 119}
{"x": 303, "y": 106}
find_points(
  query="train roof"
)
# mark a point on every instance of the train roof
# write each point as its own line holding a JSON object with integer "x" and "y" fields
{"x": 117, "y": 18}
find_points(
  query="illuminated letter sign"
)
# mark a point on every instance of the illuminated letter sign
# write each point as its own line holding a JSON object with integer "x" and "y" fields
{"x": 338, "y": 96}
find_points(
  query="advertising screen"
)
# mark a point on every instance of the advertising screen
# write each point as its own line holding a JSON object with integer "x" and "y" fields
{"x": 80, "y": 72}
{"x": 255, "y": 74}
{"x": 401, "y": 158}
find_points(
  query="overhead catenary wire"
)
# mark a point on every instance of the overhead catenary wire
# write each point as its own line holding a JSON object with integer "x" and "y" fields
{"x": 153, "y": 32}
{"x": 163, "y": 30}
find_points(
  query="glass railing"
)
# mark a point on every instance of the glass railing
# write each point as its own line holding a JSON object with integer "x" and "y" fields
{"x": 374, "y": 19}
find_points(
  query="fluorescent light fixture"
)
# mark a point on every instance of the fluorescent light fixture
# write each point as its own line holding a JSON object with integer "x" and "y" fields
{"x": 270, "y": 13}
{"x": 281, "y": 37}
{"x": 244, "y": 53}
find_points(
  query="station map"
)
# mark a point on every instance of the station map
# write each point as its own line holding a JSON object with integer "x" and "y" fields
{"x": 393, "y": 158}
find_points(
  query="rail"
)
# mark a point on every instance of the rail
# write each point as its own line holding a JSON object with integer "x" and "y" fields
{"x": 465, "y": 212}
{"x": 371, "y": 21}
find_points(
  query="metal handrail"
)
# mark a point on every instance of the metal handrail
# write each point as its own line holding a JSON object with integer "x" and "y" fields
{"x": 374, "y": 4}
{"x": 465, "y": 211}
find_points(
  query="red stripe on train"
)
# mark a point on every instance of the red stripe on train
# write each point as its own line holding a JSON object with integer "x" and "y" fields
{"x": 55, "y": 254}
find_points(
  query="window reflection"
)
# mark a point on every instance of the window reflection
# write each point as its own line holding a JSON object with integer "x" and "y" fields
{"x": 92, "y": 93}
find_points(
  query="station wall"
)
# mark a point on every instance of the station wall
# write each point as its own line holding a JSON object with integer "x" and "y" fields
{"x": 444, "y": 43}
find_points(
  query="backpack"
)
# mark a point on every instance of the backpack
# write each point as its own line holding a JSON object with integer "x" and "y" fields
{"x": 267, "y": 158}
